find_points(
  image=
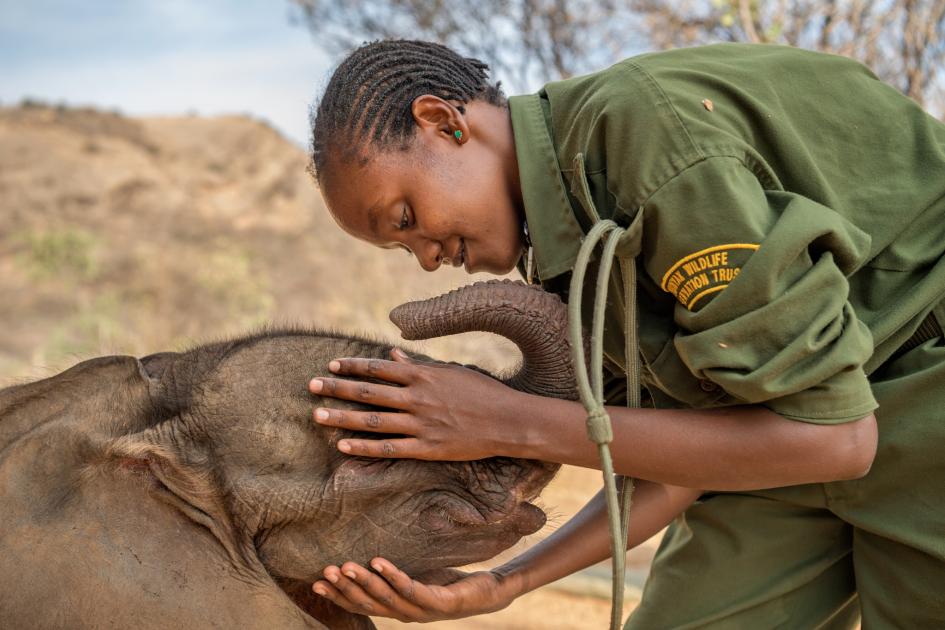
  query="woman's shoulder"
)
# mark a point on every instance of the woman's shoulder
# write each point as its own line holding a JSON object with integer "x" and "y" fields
{"x": 651, "y": 117}
{"x": 620, "y": 121}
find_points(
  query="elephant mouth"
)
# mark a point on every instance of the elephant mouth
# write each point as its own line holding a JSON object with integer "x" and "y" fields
{"x": 493, "y": 496}
{"x": 453, "y": 512}
{"x": 504, "y": 508}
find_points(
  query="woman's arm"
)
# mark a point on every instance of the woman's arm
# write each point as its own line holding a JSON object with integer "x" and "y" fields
{"x": 579, "y": 543}
{"x": 585, "y": 539}
{"x": 730, "y": 448}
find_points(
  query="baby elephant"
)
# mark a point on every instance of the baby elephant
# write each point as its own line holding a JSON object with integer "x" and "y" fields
{"x": 193, "y": 490}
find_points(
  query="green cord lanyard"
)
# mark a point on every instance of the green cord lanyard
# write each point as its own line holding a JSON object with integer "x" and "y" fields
{"x": 591, "y": 388}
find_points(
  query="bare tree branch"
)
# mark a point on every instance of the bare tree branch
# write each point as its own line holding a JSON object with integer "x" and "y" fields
{"x": 748, "y": 21}
{"x": 528, "y": 42}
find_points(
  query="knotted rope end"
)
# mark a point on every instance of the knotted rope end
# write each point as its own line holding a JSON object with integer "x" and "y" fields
{"x": 599, "y": 429}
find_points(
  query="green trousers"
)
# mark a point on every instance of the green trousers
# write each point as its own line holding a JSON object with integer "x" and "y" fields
{"x": 823, "y": 555}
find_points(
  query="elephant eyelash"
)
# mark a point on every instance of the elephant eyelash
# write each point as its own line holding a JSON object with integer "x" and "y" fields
{"x": 449, "y": 519}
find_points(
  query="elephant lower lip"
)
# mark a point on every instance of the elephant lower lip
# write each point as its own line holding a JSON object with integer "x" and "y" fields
{"x": 529, "y": 518}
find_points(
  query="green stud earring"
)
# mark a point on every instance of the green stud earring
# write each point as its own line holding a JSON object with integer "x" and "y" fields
{"x": 458, "y": 134}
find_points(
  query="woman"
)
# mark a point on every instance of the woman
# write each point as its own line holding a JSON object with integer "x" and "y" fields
{"x": 791, "y": 219}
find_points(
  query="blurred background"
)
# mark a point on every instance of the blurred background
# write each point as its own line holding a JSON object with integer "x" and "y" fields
{"x": 153, "y": 191}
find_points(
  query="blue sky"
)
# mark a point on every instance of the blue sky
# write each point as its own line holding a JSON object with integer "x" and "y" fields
{"x": 163, "y": 57}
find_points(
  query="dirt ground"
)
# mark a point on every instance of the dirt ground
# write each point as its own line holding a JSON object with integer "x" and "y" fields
{"x": 546, "y": 608}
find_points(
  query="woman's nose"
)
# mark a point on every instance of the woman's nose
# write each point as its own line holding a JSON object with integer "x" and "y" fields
{"x": 430, "y": 255}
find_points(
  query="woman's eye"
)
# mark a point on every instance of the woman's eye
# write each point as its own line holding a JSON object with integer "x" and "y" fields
{"x": 404, "y": 220}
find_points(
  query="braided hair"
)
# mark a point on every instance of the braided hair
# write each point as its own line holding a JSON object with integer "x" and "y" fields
{"x": 369, "y": 96}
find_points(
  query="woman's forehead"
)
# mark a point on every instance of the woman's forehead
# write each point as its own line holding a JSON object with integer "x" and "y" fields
{"x": 358, "y": 192}
{"x": 356, "y": 198}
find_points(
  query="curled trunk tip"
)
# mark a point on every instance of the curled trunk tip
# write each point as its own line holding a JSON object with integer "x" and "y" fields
{"x": 535, "y": 320}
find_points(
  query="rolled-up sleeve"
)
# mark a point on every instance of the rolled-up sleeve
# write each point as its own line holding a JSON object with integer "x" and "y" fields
{"x": 760, "y": 281}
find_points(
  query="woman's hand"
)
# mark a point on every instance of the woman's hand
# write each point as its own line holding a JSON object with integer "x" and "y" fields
{"x": 389, "y": 592}
{"x": 438, "y": 407}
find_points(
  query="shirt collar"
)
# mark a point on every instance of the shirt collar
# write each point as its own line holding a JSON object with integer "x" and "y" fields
{"x": 554, "y": 231}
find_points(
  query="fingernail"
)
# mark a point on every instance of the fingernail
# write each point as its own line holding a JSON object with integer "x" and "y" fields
{"x": 315, "y": 385}
{"x": 334, "y": 366}
{"x": 321, "y": 414}
{"x": 319, "y": 590}
{"x": 377, "y": 566}
{"x": 350, "y": 574}
{"x": 331, "y": 577}
{"x": 344, "y": 447}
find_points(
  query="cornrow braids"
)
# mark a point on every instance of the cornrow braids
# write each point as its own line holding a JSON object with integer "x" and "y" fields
{"x": 368, "y": 99}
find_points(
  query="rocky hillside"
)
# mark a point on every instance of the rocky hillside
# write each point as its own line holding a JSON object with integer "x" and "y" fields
{"x": 125, "y": 235}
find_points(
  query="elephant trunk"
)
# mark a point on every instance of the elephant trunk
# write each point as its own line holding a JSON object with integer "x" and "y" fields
{"x": 535, "y": 320}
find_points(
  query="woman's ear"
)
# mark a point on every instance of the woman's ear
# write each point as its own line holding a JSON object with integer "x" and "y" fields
{"x": 440, "y": 118}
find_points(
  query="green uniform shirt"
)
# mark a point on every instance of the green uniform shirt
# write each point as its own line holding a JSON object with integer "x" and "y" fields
{"x": 792, "y": 210}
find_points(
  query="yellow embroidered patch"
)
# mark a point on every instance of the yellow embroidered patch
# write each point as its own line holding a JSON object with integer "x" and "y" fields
{"x": 705, "y": 272}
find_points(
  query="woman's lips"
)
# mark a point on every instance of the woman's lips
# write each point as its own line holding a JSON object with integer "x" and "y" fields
{"x": 464, "y": 256}
{"x": 459, "y": 258}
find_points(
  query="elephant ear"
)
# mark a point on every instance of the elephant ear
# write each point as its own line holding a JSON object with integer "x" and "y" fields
{"x": 171, "y": 382}
{"x": 76, "y": 397}
{"x": 155, "y": 364}
{"x": 334, "y": 617}
{"x": 183, "y": 477}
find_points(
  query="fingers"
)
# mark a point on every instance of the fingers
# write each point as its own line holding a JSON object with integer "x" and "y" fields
{"x": 398, "y": 371}
{"x": 400, "y": 356}
{"x": 436, "y": 601}
{"x": 359, "y": 391}
{"x": 329, "y": 592}
{"x": 358, "y": 590}
{"x": 378, "y": 422}
{"x": 402, "y": 448}
{"x": 371, "y": 420}
{"x": 405, "y": 585}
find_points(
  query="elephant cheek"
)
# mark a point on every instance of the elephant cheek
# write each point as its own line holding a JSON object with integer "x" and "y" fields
{"x": 294, "y": 553}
